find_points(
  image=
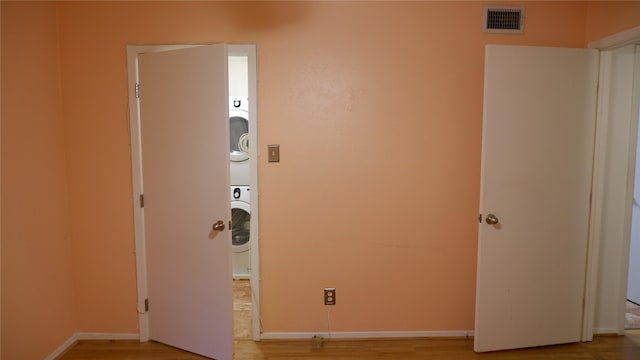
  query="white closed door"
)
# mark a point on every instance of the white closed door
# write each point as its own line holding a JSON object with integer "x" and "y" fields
{"x": 185, "y": 162}
{"x": 537, "y": 154}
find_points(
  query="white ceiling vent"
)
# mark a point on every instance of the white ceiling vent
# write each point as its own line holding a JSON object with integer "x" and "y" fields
{"x": 503, "y": 19}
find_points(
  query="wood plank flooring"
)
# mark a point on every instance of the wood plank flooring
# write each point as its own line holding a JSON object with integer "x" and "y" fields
{"x": 602, "y": 348}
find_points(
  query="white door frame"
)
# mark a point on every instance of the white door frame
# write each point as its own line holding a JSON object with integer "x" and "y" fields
{"x": 136, "y": 173}
{"x": 599, "y": 201}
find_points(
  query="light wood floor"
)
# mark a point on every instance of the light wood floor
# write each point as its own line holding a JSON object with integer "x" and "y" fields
{"x": 242, "y": 309}
{"x": 632, "y": 316}
{"x": 602, "y": 348}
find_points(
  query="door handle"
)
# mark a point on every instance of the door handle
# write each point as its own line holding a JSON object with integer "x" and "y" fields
{"x": 218, "y": 226}
{"x": 492, "y": 219}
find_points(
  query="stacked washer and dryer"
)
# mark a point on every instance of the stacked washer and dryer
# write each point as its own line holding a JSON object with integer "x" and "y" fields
{"x": 240, "y": 197}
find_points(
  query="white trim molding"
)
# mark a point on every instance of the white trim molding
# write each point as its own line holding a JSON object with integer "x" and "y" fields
{"x": 106, "y": 336}
{"x": 63, "y": 347}
{"x": 617, "y": 40}
{"x": 597, "y": 200}
{"x": 368, "y": 335}
{"x": 606, "y": 263}
{"x": 73, "y": 339}
{"x": 614, "y": 171}
{"x": 606, "y": 331}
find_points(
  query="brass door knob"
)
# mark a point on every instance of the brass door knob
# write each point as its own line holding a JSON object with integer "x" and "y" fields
{"x": 492, "y": 219}
{"x": 218, "y": 226}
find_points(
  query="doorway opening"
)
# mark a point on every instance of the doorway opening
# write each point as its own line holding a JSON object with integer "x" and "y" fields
{"x": 241, "y": 119}
{"x": 616, "y": 225}
{"x": 612, "y": 184}
{"x": 628, "y": 106}
{"x": 248, "y": 52}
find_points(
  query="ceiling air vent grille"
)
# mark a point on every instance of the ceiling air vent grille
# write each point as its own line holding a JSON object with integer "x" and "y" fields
{"x": 503, "y": 19}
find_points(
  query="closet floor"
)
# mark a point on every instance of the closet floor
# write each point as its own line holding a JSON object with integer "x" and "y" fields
{"x": 632, "y": 316}
{"x": 242, "y": 309}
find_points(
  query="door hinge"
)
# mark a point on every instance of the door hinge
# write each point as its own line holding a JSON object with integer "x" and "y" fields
{"x": 146, "y": 305}
{"x": 480, "y": 218}
{"x": 137, "y": 90}
{"x": 141, "y": 200}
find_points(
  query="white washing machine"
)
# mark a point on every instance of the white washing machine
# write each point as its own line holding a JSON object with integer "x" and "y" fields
{"x": 239, "y": 139}
{"x": 240, "y": 231}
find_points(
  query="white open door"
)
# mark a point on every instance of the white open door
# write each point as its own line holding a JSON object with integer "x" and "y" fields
{"x": 633, "y": 281}
{"x": 538, "y": 140}
{"x": 185, "y": 161}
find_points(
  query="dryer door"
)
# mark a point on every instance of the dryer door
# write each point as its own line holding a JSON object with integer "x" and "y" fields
{"x": 239, "y": 135}
{"x": 240, "y": 225}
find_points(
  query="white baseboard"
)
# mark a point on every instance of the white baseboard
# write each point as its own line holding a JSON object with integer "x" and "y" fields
{"x": 606, "y": 331}
{"x": 366, "y": 334}
{"x": 277, "y": 336}
{"x": 88, "y": 336}
{"x": 62, "y": 348}
{"x": 107, "y": 336}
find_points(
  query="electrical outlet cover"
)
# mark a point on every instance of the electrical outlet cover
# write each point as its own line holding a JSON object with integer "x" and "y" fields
{"x": 330, "y": 296}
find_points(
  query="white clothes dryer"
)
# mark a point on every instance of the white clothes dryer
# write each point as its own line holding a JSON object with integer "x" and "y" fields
{"x": 240, "y": 231}
{"x": 239, "y": 139}
{"x": 239, "y": 128}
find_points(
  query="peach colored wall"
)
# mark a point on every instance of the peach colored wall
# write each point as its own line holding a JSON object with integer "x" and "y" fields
{"x": 606, "y": 18}
{"x": 37, "y": 291}
{"x": 338, "y": 83}
{"x": 378, "y": 111}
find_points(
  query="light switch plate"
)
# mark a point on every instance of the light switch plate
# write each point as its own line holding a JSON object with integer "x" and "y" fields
{"x": 274, "y": 153}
